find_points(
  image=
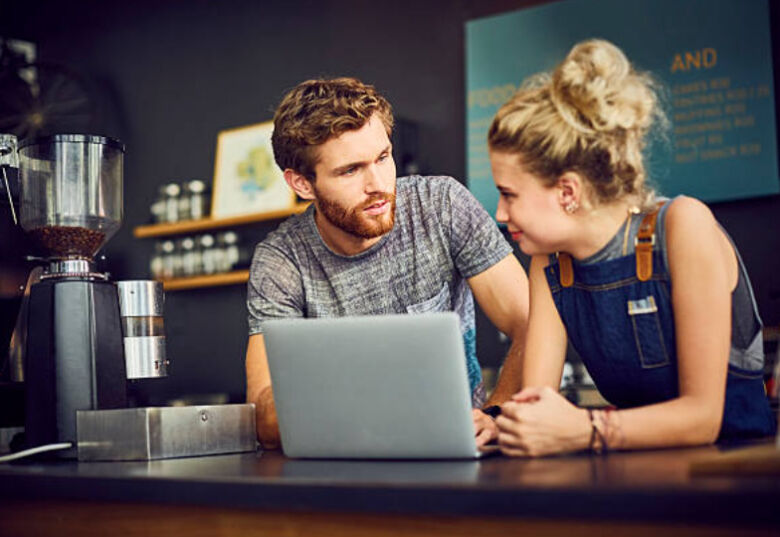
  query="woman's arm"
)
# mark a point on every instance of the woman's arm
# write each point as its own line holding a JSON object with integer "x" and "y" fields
{"x": 703, "y": 270}
{"x": 545, "y": 348}
{"x": 541, "y": 428}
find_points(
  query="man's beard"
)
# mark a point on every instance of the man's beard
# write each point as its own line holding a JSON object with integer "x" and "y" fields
{"x": 356, "y": 222}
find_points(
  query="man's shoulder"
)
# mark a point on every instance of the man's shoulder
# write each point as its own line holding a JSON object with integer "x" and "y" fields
{"x": 428, "y": 191}
{"x": 289, "y": 235}
{"x": 426, "y": 183}
{"x": 434, "y": 194}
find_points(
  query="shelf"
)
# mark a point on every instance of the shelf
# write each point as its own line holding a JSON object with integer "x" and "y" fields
{"x": 206, "y": 280}
{"x": 188, "y": 226}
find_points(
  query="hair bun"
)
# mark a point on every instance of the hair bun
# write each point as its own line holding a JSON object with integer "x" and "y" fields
{"x": 596, "y": 89}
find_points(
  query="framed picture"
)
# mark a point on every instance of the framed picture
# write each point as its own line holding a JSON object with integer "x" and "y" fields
{"x": 246, "y": 178}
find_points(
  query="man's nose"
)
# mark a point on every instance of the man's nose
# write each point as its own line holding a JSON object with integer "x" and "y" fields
{"x": 374, "y": 181}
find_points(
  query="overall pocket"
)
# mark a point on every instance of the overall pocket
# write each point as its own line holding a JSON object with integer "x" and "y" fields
{"x": 648, "y": 334}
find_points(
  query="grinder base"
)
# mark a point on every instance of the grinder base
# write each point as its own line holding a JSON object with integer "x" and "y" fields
{"x": 165, "y": 432}
{"x": 74, "y": 358}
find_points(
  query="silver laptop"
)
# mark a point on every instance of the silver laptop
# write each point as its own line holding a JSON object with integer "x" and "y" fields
{"x": 388, "y": 386}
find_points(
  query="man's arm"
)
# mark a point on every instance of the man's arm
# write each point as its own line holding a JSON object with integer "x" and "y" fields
{"x": 274, "y": 291}
{"x": 502, "y": 293}
{"x": 258, "y": 391}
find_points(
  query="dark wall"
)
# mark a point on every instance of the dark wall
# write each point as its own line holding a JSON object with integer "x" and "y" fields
{"x": 172, "y": 74}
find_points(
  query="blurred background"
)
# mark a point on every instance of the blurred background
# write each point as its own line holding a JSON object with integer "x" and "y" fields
{"x": 166, "y": 77}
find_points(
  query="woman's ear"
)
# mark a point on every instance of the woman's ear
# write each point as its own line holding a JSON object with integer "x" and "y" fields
{"x": 299, "y": 184}
{"x": 570, "y": 191}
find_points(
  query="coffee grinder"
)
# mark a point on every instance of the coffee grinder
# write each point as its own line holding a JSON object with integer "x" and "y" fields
{"x": 71, "y": 204}
{"x": 84, "y": 336}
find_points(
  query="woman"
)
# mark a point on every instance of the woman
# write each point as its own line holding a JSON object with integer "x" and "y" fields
{"x": 663, "y": 316}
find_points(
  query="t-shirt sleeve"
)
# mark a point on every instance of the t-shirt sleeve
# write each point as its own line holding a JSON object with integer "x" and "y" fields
{"x": 274, "y": 289}
{"x": 477, "y": 243}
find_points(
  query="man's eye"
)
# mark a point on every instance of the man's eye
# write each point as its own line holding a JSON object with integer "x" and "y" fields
{"x": 349, "y": 171}
{"x": 383, "y": 157}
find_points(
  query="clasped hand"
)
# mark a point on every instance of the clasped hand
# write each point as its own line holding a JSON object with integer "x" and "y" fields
{"x": 540, "y": 421}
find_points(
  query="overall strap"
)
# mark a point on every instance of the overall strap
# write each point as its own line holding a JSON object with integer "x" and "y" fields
{"x": 566, "y": 270}
{"x": 643, "y": 245}
{"x": 643, "y": 251}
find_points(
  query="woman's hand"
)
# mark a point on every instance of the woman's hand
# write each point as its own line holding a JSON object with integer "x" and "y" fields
{"x": 540, "y": 421}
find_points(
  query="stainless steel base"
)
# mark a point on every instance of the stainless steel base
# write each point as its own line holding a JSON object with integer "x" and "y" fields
{"x": 165, "y": 432}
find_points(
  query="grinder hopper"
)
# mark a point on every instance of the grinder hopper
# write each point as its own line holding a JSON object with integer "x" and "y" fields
{"x": 71, "y": 195}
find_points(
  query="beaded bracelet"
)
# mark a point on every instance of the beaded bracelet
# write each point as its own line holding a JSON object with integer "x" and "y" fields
{"x": 592, "y": 430}
{"x": 596, "y": 433}
{"x": 605, "y": 433}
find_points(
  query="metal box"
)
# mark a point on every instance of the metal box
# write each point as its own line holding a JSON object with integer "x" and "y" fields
{"x": 165, "y": 432}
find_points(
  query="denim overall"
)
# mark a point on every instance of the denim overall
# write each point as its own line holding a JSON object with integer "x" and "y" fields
{"x": 623, "y": 329}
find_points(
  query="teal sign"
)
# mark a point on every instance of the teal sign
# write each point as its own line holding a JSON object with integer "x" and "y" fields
{"x": 713, "y": 58}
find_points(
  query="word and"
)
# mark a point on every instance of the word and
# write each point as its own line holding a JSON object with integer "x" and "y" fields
{"x": 706, "y": 58}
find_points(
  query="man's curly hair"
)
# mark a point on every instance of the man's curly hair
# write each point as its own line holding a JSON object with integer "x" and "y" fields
{"x": 317, "y": 110}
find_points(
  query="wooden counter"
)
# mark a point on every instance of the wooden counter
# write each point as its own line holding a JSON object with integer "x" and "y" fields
{"x": 641, "y": 493}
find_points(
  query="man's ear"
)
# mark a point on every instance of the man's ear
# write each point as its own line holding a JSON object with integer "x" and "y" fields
{"x": 299, "y": 184}
{"x": 570, "y": 191}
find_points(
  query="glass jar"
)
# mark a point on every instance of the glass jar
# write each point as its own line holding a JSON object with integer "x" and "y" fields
{"x": 228, "y": 242}
{"x": 156, "y": 263}
{"x": 184, "y": 202}
{"x": 158, "y": 206}
{"x": 169, "y": 260}
{"x": 172, "y": 192}
{"x": 191, "y": 258}
{"x": 198, "y": 199}
{"x": 210, "y": 254}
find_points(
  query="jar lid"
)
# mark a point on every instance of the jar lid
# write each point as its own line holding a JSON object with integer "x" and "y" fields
{"x": 197, "y": 186}
{"x": 172, "y": 189}
{"x": 229, "y": 237}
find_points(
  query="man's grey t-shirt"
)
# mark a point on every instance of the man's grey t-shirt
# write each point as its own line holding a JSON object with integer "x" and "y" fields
{"x": 442, "y": 236}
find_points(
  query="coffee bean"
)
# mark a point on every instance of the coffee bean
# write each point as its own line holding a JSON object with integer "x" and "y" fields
{"x": 66, "y": 241}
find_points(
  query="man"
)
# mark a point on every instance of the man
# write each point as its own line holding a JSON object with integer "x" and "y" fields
{"x": 372, "y": 244}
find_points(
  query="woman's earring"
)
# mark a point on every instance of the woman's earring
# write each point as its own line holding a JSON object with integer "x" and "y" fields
{"x": 571, "y": 207}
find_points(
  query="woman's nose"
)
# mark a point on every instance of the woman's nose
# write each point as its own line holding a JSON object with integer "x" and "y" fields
{"x": 501, "y": 215}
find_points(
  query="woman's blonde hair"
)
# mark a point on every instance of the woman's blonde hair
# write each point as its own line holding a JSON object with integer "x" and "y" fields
{"x": 591, "y": 116}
